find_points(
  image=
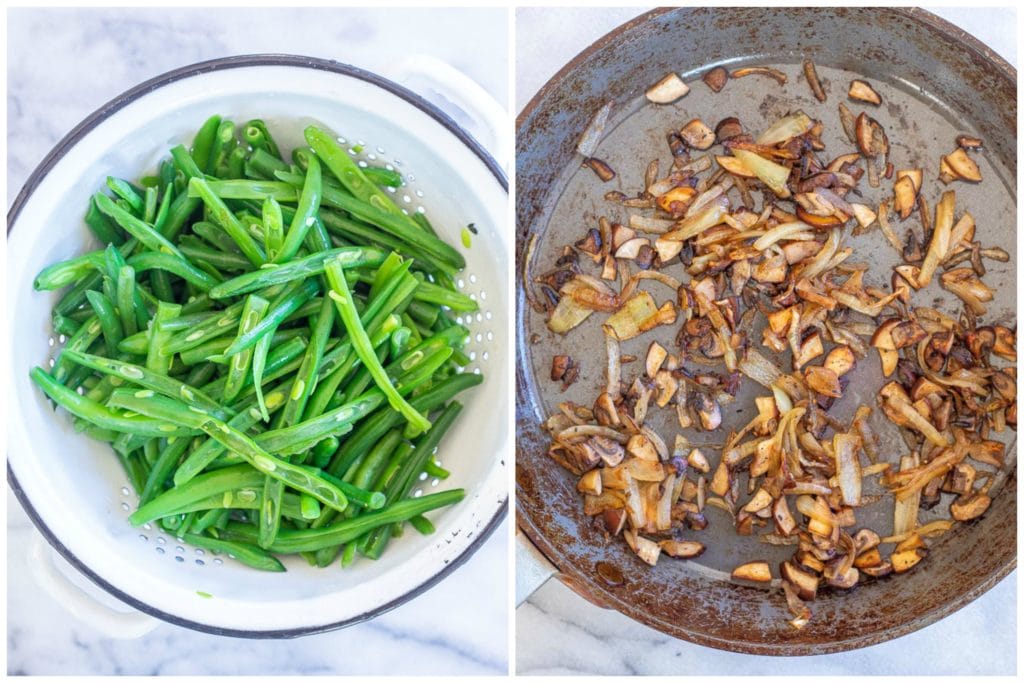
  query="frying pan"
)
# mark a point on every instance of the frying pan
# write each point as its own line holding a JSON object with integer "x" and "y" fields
{"x": 936, "y": 81}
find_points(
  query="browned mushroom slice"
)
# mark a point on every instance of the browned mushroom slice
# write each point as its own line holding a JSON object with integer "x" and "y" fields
{"x": 697, "y": 135}
{"x": 1005, "y": 343}
{"x": 631, "y": 248}
{"x": 841, "y": 360}
{"x": 753, "y": 571}
{"x": 805, "y": 583}
{"x": 811, "y": 74}
{"x": 600, "y": 168}
{"x": 823, "y": 381}
{"x": 667, "y": 90}
{"x": 969, "y": 142}
{"x": 683, "y": 549}
{"x": 646, "y": 549}
{"x": 656, "y": 355}
{"x": 676, "y": 200}
{"x": 559, "y": 364}
{"x": 962, "y": 166}
{"x": 775, "y": 74}
{"x": 904, "y": 196}
{"x": 905, "y": 560}
{"x": 716, "y": 78}
{"x": 907, "y": 333}
{"x": 728, "y": 128}
{"x": 863, "y": 92}
{"x": 810, "y": 349}
{"x": 864, "y": 130}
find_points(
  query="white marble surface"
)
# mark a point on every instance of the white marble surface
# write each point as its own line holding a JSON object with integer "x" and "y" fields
{"x": 595, "y": 641}
{"x": 459, "y": 626}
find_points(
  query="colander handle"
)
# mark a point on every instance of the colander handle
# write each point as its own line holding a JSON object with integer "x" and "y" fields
{"x": 533, "y": 569}
{"x": 485, "y": 111}
{"x": 83, "y": 606}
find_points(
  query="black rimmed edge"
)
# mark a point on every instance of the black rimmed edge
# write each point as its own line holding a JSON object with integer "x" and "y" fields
{"x": 98, "y": 117}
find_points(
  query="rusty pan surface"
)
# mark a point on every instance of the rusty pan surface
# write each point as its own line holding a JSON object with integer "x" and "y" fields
{"x": 936, "y": 82}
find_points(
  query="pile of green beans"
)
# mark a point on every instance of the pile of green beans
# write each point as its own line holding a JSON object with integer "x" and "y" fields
{"x": 268, "y": 344}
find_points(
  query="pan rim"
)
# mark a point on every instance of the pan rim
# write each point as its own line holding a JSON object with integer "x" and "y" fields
{"x": 575, "y": 576}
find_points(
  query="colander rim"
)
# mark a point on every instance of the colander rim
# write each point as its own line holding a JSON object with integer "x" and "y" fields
{"x": 57, "y": 153}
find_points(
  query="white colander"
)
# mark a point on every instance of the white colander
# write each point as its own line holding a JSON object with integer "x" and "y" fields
{"x": 74, "y": 488}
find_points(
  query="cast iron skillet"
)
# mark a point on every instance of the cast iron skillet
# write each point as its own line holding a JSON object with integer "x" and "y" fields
{"x": 936, "y": 81}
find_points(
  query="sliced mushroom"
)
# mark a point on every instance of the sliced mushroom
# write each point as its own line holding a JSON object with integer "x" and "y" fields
{"x": 683, "y": 549}
{"x": 962, "y": 166}
{"x": 600, "y": 168}
{"x": 716, "y": 78}
{"x": 753, "y": 571}
{"x": 863, "y": 92}
{"x": 667, "y": 90}
{"x": 697, "y": 135}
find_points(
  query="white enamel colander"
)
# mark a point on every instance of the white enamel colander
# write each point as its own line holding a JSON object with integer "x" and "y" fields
{"x": 74, "y": 489}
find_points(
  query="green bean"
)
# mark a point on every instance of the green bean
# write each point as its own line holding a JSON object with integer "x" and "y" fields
{"x": 100, "y": 415}
{"x": 178, "y": 413}
{"x": 348, "y": 172}
{"x": 404, "y": 478}
{"x": 310, "y": 507}
{"x": 251, "y": 189}
{"x": 383, "y": 176}
{"x": 203, "y": 143}
{"x": 88, "y": 333}
{"x": 197, "y": 251}
{"x": 257, "y": 129}
{"x": 299, "y": 269}
{"x": 212, "y": 328}
{"x": 146, "y": 378}
{"x": 210, "y": 449}
{"x": 266, "y": 164}
{"x": 162, "y": 468}
{"x": 177, "y": 264}
{"x": 422, "y": 525}
{"x": 164, "y": 212}
{"x": 213, "y": 350}
{"x": 239, "y": 364}
{"x": 158, "y": 357}
{"x": 223, "y": 143}
{"x": 323, "y": 451}
{"x": 294, "y": 541}
{"x": 280, "y": 308}
{"x": 105, "y": 231}
{"x": 222, "y": 215}
{"x": 149, "y": 211}
{"x": 302, "y": 387}
{"x": 380, "y": 422}
{"x": 361, "y": 343}
{"x": 246, "y": 554}
{"x": 434, "y": 469}
{"x": 305, "y": 213}
{"x": 106, "y": 313}
{"x": 125, "y": 191}
{"x": 141, "y": 231}
{"x": 273, "y": 227}
{"x": 217, "y": 237}
{"x": 270, "y": 512}
{"x": 64, "y": 325}
{"x": 63, "y": 273}
{"x": 129, "y": 302}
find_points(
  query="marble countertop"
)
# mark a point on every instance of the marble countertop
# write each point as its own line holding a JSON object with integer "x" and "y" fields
{"x": 90, "y": 57}
{"x": 595, "y": 641}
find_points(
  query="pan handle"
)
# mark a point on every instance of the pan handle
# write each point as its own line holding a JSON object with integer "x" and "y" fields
{"x": 486, "y": 118}
{"x": 88, "y": 608}
{"x": 533, "y": 569}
